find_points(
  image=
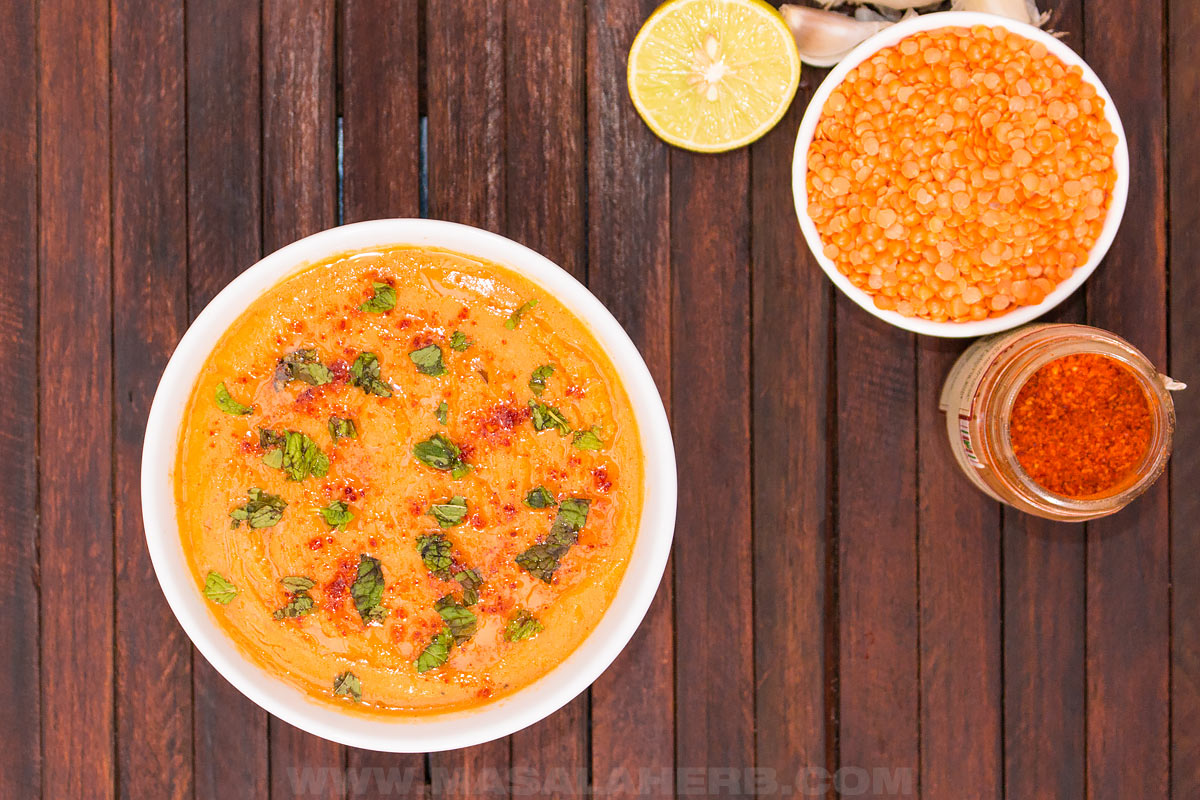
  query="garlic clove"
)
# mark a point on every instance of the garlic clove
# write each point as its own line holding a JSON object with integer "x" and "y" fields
{"x": 825, "y": 37}
{"x": 1021, "y": 10}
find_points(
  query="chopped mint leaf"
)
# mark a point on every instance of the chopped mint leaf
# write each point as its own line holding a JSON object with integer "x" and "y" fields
{"x": 542, "y": 559}
{"x": 262, "y": 511}
{"x": 429, "y": 360}
{"x": 274, "y": 458}
{"x": 540, "y": 497}
{"x": 364, "y": 373}
{"x": 342, "y": 428}
{"x": 383, "y": 300}
{"x": 299, "y": 456}
{"x": 450, "y": 513}
{"x": 537, "y": 382}
{"x": 514, "y": 319}
{"x": 367, "y": 590}
{"x": 442, "y": 413}
{"x": 522, "y": 625}
{"x": 294, "y": 584}
{"x": 348, "y": 684}
{"x": 460, "y": 620}
{"x": 436, "y": 652}
{"x": 218, "y": 589}
{"x": 268, "y": 438}
{"x": 336, "y": 514}
{"x": 470, "y": 582}
{"x": 588, "y": 440}
{"x": 226, "y": 403}
{"x": 440, "y": 453}
{"x": 434, "y": 549}
{"x": 546, "y": 417}
{"x": 299, "y": 605}
{"x": 304, "y": 366}
{"x": 459, "y": 341}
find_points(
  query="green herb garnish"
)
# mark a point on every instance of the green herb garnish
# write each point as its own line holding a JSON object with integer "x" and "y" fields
{"x": 383, "y": 300}
{"x": 304, "y": 366}
{"x": 588, "y": 440}
{"x": 300, "y": 605}
{"x": 514, "y": 319}
{"x": 295, "y": 584}
{"x": 540, "y": 497}
{"x": 459, "y": 341}
{"x": 342, "y": 428}
{"x": 440, "y": 453}
{"x": 226, "y": 403}
{"x": 429, "y": 360}
{"x": 436, "y": 652}
{"x": 450, "y": 513}
{"x": 522, "y": 625}
{"x": 537, "y": 382}
{"x": 470, "y": 582}
{"x": 336, "y": 514}
{"x": 546, "y": 417}
{"x": 348, "y": 684}
{"x": 367, "y": 590}
{"x": 434, "y": 549}
{"x": 541, "y": 560}
{"x": 364, "y": 373}
{"x": 218, "y": 589}
{"x": 442, "y": 413}
{"x": 460, "y": 620}
{"x": 295, "y": 454}
{"x": 262, "y": 511}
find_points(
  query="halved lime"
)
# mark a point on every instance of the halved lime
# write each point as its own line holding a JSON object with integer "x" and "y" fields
{"x": 712, "y": 75}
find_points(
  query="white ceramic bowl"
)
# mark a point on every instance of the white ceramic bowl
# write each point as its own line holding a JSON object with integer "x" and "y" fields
{"x": 888, "y": 37}
{"x": 445, "y": 731}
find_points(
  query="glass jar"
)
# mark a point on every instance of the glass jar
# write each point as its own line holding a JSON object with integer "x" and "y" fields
{"x": 978, "y": 399}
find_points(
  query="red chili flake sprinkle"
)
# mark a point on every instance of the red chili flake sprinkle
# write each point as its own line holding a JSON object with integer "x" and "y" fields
{"x": 343, "y": 324}
{"x": 340, "y": 370}
{"x": 316, "y": 544}
{"x": 575, "y": 391}
{"x": 464, "y": 313}
{"x": 509, "y": 509}
{"x": 1080, "y": 425}
{"x": 404, "y": 324}
{"x": 415, "y": 508}
{"x": 603, "y": 482}
{"x": 421, "y": 340}
{"x": 371, "y": 542}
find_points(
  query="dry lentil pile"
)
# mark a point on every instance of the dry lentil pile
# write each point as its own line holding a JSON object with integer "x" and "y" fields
{"x": 1080, "y": 425}
{"x": 961, "y": 173}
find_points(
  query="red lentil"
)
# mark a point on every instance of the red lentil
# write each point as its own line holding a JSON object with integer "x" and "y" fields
{"x": 961, "y": 173}
{"x": 1080, "y": 425}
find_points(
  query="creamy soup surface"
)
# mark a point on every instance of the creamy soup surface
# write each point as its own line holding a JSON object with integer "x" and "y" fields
{"x": 408, "y": 481}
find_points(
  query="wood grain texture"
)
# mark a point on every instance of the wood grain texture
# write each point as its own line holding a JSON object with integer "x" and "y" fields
{"x": 877, "y": 544}
{"x": 962, "y": 737}
{"x": 75, "y": 426}
{"x": 224, "y": 237}
{"x": 381, "y": 145}
{"x": 299, "y": 199}
{"x": 710, "y": 380}
{"x": 1128, "y": 600}
{"x": 629, "y": 269}
{"x": 1184, "y": 296}
{"x": 545, "y": 199}
{"x": 20, "y": 740}
{"x": 464, "y": 73}
{"x": 793, "y": 473}
{"x": 149, "y": 185}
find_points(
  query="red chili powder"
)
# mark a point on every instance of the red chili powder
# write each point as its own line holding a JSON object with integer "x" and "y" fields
{"x": 1080, "y": 425}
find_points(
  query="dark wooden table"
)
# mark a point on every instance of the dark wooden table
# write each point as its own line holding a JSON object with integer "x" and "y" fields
{"x": 841, "y": 602}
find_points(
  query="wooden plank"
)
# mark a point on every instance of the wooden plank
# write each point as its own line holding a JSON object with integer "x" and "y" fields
{"x": 629, "y": 269}
{"x": 464, "y": 76}
{"x": 149, "y": 185}
{"x": 1044, "y": 619}
{"x": 75, "y": 416}
{"x": 877, "y": 543}
{"x": 224, "y": 237}
{"x": 1183, "y": 247}
{"x": 1128, "y": 592}
{"x": 794, "y": 661}
{"x": 545, "y": 119}
{"x": 299, "y": 198}
{"x": 381, "y": 146}
{"x": 710, "y": 355}
{"x": 20, "y": 697}
{"x": 962, "y": 735}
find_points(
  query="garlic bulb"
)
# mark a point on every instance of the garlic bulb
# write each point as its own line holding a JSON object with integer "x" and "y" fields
{"x": 825, "y": 37}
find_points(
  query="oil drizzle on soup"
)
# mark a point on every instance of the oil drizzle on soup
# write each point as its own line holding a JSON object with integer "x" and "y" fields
{"x": 408, "y": 481}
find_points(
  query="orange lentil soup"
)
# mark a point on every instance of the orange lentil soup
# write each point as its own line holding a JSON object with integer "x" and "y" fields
{"x": 961, "y": 173}
{"x": 408, "y": 481}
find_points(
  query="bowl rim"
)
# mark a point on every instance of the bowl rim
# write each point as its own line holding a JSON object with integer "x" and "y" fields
{"x": 886, "y": 38}
{"x": 435, "y": 731}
